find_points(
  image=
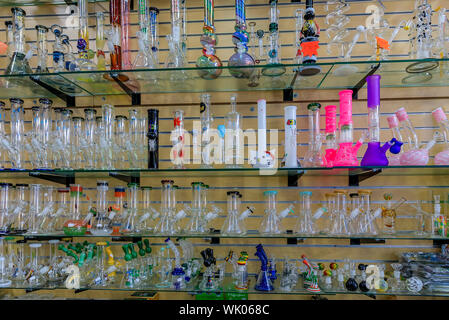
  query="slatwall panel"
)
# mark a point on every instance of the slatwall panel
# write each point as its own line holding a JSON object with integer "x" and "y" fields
{"x": 419, "y": 104}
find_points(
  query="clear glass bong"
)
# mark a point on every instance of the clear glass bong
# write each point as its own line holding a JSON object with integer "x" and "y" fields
{"x": 84, "y": 61}
{"x": 177, "y": 138}
{"x": 22, "y": 207}
{"x": 120, "y": 155}
{"x": 234, "y": 137}
{"x": 233, "y": 225}
{"x": 240, "y": 58}
{"x": 272, "y": 220}
{"x": 130, "y": 221}
{"x": 4, "y": 282}
{"x": 45, "y": 131}
{"x": 4, "y": 207}
{"x": 165, "y": 223}
{"x": 313, "y": 157}
{"x": 304, "y": 224}
{"x": 42, "y": 49}
{"x": 17, "y": 133}
{"x": 34, "y": 277}
{"x": 102, "y": 224}
{"x": 274, "y": 68}
{"x": 106, "y": 137}
{"x": 147, "y": 212}
{"x": 208, "y": 40}
{"x": 49, "y": 208}
{"x": 144, "y": 58}
{"x": 9, "y": 38}
{"x": 59, "y": 49}
{"x": 89, "y": 146}
{"x": 367, "y": 216}
{"x": 206, "y": 131}
{"x": 196, "y": 225}
{"x": 100, "y": 41}
{"x": 340, "y": 213}
{"x": 19, "y": 61}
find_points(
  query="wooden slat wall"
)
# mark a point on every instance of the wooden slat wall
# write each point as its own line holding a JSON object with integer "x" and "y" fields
{"x": 419, "y": 104}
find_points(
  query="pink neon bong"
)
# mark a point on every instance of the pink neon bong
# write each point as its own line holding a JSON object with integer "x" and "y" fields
{"x": 414, "y": 156}
{"x": 331, "y": 135}
{"x": 346, "y": 154}
{"x": 442, "y": 158}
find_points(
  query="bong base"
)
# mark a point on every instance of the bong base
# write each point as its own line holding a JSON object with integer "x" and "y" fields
{"x": 273, "y": 70}
{"x": 310, "y": 70}
{"x": 423, "y": 66}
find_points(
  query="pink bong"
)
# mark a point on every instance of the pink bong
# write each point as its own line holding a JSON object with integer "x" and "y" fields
{"x": 414, "y": 156}
{"x": 442, "y": 158}
{"x": 346, "y": 154}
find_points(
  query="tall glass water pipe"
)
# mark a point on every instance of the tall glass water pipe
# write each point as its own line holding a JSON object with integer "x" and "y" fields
{"x": 176, "y": 57}
{"x": 144, "y": 57}
{"x": 304, "y": 224}
{"x": 262, "y": 157}
{"x": 208, "y": 41}
{"x": 375, "y": 155}
{"x": 34, "y": 208}
{"x": 340, "y": 214}
{"x": 442, "y": 158}
{"x": 17, "y": 132}
{"x": 234, "y": 136}
{"x": 45, "y": 130}
{"x": 125, "y": 24}
{"x": 154, "y": 35}
{"x": 331, "y": 135}
{"x": 19, "y": 61}
{"x": 232, "y": 224}
{"x": 274, "y": 68}
{"x": 4, "y": 207}
{"x": 313, "y": 157}
{"x": 153, "y": 138}
{"x": 271, "y": 222}
{"x": 290, "y": 158}
{"x": 58, "y": 49}
{"x": 107, "y": 136}
{"x": 41, "y": 36}
{"x": 165, "y": 223}
{"x": 9, "y": 38}
{"x": 100, "y": 41}
{"x": 347, "y": 153}
{"x": 206, "y": 124}
{"x": 177, "y": 138}
{"x": 102, "y": 224}
{"x": 90, "y": 129}
{"x": 83, "y": 62}
{"x": 308, "y": 37}
{"x": 195, "y": 224}
{"x": 240, "y": 58}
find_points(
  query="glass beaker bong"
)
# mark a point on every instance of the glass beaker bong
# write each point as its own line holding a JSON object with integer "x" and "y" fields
{"x": 101, "y": 225}
{"x": 234, "y": 137}
{"x": 313, "y": 157}
{"x": 196, "y": 225}
{"x": 304, "y": 224}
{"x": 208, "y": 41}
{"x": 233, "y": 224}
{"x": 4, "y": 282}
{"x": 42, "y": 49}
{"x": 272, "y": 220}
{"x": 4, "y": 208}
{"x": 165, "y": 224}
{"x": 240, "y": 58}
{"x": 144, "y": 58}
{"x": 17, "y": 133}
{"x": 177, "y": 138}
{"x": 274, "y": 68}
{"x": 19, "y": 61}
{"x": 84, "y": 61}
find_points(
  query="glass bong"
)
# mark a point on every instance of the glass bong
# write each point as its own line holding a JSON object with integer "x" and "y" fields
{"x": 144, "y": 58}
{"x": 331, "y": 135}
{"x": 442, "y": 158}
{"x": 165, "y": 223}
{"x": 346, "y": 154}
{"x": 240, "y": 38}
{"x": 304, "y": 224}
{"x": 375, "y": 155}
{"x": 178, "y": 274}
{"x": 19, "y": 61}
{"x": 102, "y": 224}
{"x": 196, "y": 225}
{"x": 290, "y": 147}
{"x": 17, "y": 133}
{"x": 414, "y": 155}
{"x": 393, "y": 124}
{"x": 263, "y": 278}
{"x": 177, "y": 138}
{"x": 42, "y": 49}
{"x": 309, "y": 35}
{"x": 313, "y": 157}
{"x": 272, "y": 220}
{"x": 234, "y": 137}
{"x": 209, "y": 282}
{"x": 233, "y": 225}
{"x": 208, "y": 41}
{"x": 84, "y": 61}
{"x": 206, "y": 131}
{"x": 274, "y": 68}
{"x": 262, "y": 158}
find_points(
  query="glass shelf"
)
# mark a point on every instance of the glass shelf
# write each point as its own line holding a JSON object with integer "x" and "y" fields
{"x": 146, "y": 81}
{"x": 13, "y": 3}
{"x": 227, "y": 287}
{"x": 250, "y": 235}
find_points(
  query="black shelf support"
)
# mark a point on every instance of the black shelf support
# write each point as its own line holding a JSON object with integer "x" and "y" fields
{"x": 288, "y": 92}
{"x": 69, "y": 100}
{"x": 62, "y": 178}
{"x": 361, "y": 83}
{"x": 135, "y": 96}
{"x": 440, "y": 242}
{"x": 294, "y": 240}
{"x": 46, "y": 238}
{"x": 28, "y": 290}
{"x": 81, "y": 290}
{"x": 128, "y": 178}
{"x": 126, "y": 239}
{"x": 359, "y": 241}
{"x": 293, "y": 177}
{"x": 358, "y": 175}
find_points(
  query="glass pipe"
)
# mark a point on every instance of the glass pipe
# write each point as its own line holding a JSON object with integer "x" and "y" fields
{"x": 240, "y": 58}
{"x": 178, "y": 215}
{"x": 274, "y": 68}
{"x": 100, "y": 41}
{"x": 304, "y": 224}
{"x": 336, "y": 20}
{"x": 436, "y": 216}
{"x": 331, "y": 135}
{"x": 308, "y": 38}
{"x": 413, "y": 154}
{"x": 4, "y": 281}
{"x": 393, "y": 124}
{"x": 4, "y": 156}
{"x": 106, "y": 136}
{"x": 163, "y": 265}
{"x": 234, "y": 136}
{"x": 270, "y": 223}
{"x": 130, "y": 220}
{"x": 210, "y": 213}
{"x": 340, "y": 213}
{"x": 117, "y": 213}
{"x": 34, "y": 277}
{"x": 263, "y": 282}
{"x": 289, "y": 276}
{"x": 355, "y": 214}
{"x": 4, "y": 207}
{"x": 9, "y": 38}
{"x": 176, "y": 57}
{"x": 17, "y": 133}
{"x": 54, "y": 263}
{"x": 144, "y": 57}
{"x": 375, "y": 155}
{"x": 232, "y": 224}
{"x": 69, "y": 57}
{"x": 22, "y": 207}
{"x": 262, "y": 158}
{"x": 442, "y": 158}
{"x": 154, "y": 35}
{"x": 290, "y": 158}
{"x": 83, "y": 62}
{"x": 120, "y": 155}
{"x": 165, "y": 223}
{"x": 141, "y": 147}
{"x": 346, "y": 154}
{"x": 256, "y": 54}
{"x": 124, "y": 24}
{"x": 178, "y": 273}
{"x": 100, "y": 276}
{"x": 209, "y": 282}
{"x": 148, "y": 213}
{"x": 77, "y": 145}
{"x": 19, "y": 61}
{"x": 310, "y": 277}
{"x": 45, "y": 131}
{"x": 59, "y": 49}
{"x": 389, "y": 214}
{"x": 153, "y": 138}
{"x": 101, "y": 224}
{"x": 366, "y": 215}
{"x": 177, "y": 139}
{"x": 61, "y": 213}
{"x": 206, "y": 124}
{"x": 48, "y": 209}
{"x": 396, "y": 284}
{"x": 42, "y": 49}
{"x": 197, "y": 211}
{"x": 346, "y": 51}
{"x": 313, "y": 157}
{"x": 208, "y": 41}
{"x": 75, "y": 224}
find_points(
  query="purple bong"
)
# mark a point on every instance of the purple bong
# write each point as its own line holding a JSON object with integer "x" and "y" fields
{"x": 375, "y": 155}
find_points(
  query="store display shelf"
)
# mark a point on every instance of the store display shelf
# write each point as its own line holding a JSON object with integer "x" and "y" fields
{"x": 27, "y": 3}
{"x": 333, "y": 75}
{"x": 228, "y": 288}
{"x": 354, "y": 239}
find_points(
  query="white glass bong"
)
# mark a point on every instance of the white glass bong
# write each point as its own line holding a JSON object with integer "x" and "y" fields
{"x": 290, "y": 147}
{"x": 234, "y": 137}
{"x": 262, "y": 157}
